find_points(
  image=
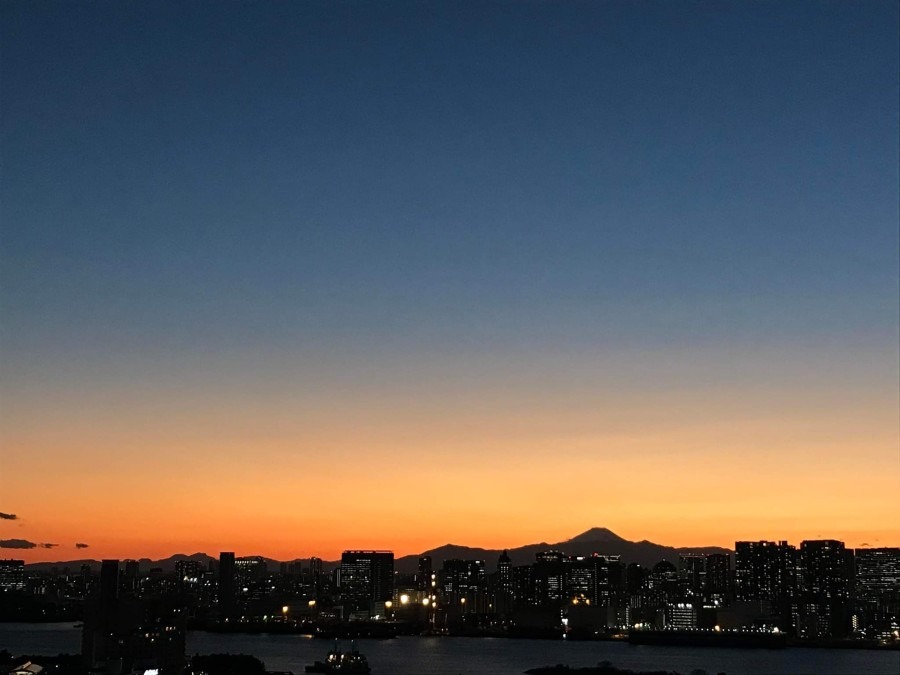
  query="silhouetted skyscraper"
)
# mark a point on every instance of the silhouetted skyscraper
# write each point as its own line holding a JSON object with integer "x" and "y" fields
{"x": 423, "y": 578}
{"x": 109, "y": 581}
{"x": 692, "y": 574}
{"x": 718, "y": 574}
{"x": 504, "y": 597}
{"x": 131, "y": 580}
{"x": 227, "y": 584}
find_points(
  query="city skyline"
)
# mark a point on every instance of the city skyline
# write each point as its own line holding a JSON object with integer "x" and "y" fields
{"x": 594, "y": 541}
{"x": 286, "y": 277}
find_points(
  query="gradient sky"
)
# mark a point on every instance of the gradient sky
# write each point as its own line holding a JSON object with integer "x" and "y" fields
{"x": 285, "y": 278}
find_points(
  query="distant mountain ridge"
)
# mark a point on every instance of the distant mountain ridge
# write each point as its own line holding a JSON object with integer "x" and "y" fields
{"x": 598, "y": 540}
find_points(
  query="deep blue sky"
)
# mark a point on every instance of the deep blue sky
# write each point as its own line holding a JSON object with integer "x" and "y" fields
{"x": 176, "y": 173}
{"x": 363, "y": 193}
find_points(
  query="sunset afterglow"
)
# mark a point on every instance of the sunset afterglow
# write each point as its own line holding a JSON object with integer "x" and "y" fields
{"x": 292, "y": 279}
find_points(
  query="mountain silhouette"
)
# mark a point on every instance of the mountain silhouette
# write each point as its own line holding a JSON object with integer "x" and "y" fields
{"x": 598, "y": 540}
{"x": 595, "y": 534}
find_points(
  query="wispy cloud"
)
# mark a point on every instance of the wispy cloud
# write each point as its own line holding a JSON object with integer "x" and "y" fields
{"x": 8, "y": 516}
{"x": 17, "y": 543}
{"x": 48, "y": 545}
{"x": 80, "y": 545}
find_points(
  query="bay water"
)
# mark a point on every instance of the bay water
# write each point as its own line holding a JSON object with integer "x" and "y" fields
{"x": 488, "y": 656}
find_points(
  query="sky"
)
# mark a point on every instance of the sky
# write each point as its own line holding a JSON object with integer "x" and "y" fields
{"x": 286, "y": 278}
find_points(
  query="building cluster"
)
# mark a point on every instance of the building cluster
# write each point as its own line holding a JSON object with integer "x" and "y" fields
{"x": 136, "y": 619}
{"x": 821, "y": 590}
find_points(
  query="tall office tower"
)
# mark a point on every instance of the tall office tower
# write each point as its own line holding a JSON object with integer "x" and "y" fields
{"x": 549, "y": 575}
{"x": 367, "y": 578}
{"x": 718, "y": 573}
{"x": 187, "y": 575}
{"x": 423, "y": 578}
{"x": 131, "y": 577}
{"x": 615, "y": 571}
{"x": 523, "y": 586}
{"x": 692, "y": 574}
{"x": 504, "y": 597}
{"x": 662, "y": 584}
{"x": 250, "y": 569}
{"x": 463, "y": 585}
{"x": 100, "y": 618}
{"x": 227, "y": 584}
{"x": 589, "y": 579}
{"x": 109, "y": 582}
{"x": 317, "y": 578}
{"x": 826, "y": 567}
{"x": 878, "y": 586}
{"x": 12, "y": 575}
{"x": 85, "y": 579}
{"x": 636, "y": 578}
{"x": 581, "y": 580}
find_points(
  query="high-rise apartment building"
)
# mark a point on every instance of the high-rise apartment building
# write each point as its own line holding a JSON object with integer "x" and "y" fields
{"x": 878, "y": 588}
{"x": 826, "y": 569}
{"x": 765, "y": 571}
{"x": 877, "y": 571}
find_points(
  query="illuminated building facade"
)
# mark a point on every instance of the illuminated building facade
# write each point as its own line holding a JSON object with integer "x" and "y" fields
{"x": 12, "y": 575}
{"x": 826, "y": 569}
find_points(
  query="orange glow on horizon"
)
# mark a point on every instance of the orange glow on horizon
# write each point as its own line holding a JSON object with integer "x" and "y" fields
{"x": 290, "y": 478}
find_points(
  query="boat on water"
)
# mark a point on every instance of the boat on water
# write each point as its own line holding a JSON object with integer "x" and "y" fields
{"x": 351, "y": 661}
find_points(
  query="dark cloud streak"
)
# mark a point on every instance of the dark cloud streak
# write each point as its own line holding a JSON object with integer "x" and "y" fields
{"x": 17, "y": 543}
{"x": 8, "y": 516}
{"x": 80, "y": 545}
